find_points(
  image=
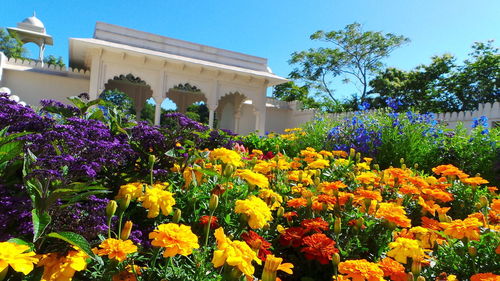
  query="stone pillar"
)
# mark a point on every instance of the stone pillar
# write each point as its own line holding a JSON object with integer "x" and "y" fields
{"x": 211, "y": 113}
{"x": 237, "y": 116}
{"x": 96, "y": 79}
{"x": 158, "y": 101}
{"x": 260, "y": 114}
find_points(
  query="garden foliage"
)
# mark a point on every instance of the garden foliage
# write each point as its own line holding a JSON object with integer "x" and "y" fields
{"x": 89, "y": 194}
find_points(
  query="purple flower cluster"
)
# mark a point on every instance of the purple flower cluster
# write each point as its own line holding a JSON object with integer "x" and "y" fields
{"x": 87, "y": 218}
{"x": 15, "y": 212}
{"x": 356, "y": 133}
{"x": 53, "y": 105}
{"x": 20, "y": 118}
{"x": 83, "y": 147}
{"x": 180, "y": 120}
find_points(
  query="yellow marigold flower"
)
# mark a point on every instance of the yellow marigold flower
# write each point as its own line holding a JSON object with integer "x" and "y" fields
{"x": 234, "y": 253}
{"x": 326, "y": 153}
{"x": 272, "y": 199}
{"x": 133, "y": 189}
{"x": 62, "y": 268}
{"x": 17, "y": 257}
{"x": 468, "y": 228}
{"x": 253, "y": 178}
{"x": 263, "y": 167}
{"x": 116, "y": 249}
{"x": 404, "y": 248}
{"x": 226, "y": 156}
{"x": 360, "y": 270}
{"x": 393, "y": 213}
{"x": 271, "y": 267}
{"x": 177, "y": 239}
{"x": 427, "y": 237}
{"x": 304, "y": 177}
{"x": 156, "y": 198}
{"x": 188, "y": 176}
{"x": 257, "y": 211}
{"x": 368, "y": 178}
{"x": 283, "y": 164}
{"x": 319, "y": 164}
{"x": 363, "y": 166}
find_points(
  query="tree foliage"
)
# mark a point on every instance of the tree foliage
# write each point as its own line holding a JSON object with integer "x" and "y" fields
{"x": 443, "y": 85}
{"x": 356, "y": 54}
{"x": 11, "y": 45}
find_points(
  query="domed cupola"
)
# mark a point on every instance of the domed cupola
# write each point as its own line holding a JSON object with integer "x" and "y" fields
{"x": 32, "y": 29}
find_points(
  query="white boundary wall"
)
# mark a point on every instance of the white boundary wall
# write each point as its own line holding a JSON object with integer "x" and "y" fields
{"x": 290, "y": 115}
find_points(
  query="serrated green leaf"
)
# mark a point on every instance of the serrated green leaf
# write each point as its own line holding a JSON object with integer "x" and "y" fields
{"x": 75, "y": 240}
{"x": 40, "y": 223}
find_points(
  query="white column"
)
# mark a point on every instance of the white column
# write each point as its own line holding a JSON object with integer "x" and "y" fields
{"x": 237, "y": 116}
{"x": 259, "y": 104}
{"x": 211, "y": 117}
{"x": 157, "y": 112}
{"x": 96, "y": 84}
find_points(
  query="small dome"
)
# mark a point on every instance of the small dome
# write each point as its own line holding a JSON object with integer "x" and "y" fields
{"x": 34, "y": 21}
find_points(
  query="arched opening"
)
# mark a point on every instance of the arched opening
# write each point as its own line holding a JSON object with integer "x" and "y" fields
{"x": 131, "y": 94}
{"x": 230, "y": 112}
{"x": 190, "y": 101}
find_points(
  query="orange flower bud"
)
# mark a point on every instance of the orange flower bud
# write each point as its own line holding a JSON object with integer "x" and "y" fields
{"x": 127, "y": 228}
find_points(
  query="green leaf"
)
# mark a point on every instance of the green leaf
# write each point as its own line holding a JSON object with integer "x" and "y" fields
{"x": 10, "y": 150}
{"x": 209, "y": 172}
{"x": 20, "y": 241}
{"x": 40, "y": 222}
{"x": 75, "y": 240}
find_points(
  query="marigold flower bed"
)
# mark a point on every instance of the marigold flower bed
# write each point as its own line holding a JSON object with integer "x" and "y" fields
{"x": 234, "y": 214}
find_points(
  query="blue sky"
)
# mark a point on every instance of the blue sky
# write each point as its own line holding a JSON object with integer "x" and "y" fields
{"x": 274, "y": 28}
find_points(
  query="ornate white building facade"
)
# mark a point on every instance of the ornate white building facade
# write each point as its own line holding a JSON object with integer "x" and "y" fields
{"x": 232, "y": 85}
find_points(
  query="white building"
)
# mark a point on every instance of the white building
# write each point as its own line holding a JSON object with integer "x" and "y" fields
{"x": 233, "y": 85}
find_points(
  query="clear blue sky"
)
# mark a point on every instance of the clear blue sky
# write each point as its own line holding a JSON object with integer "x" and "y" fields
{"x": 274, "y": 28}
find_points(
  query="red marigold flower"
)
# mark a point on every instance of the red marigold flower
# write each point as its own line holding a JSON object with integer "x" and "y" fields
{"x": 213, "y": 224}
{"x": 317, "y": 224}
{"x": 256, "y": 242}
{"x": 292, "y": 237}
{"x": 319, "y": 247}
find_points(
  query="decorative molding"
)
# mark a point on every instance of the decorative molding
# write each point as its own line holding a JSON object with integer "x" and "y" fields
{"x": 36, "y": 65}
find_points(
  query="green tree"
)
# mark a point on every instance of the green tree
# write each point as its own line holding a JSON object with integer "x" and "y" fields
{"x": 356, "y": 54}
{"x": 52, "y": 60}
{"x": 290, "y": 91}
{"x": 478, "y": 79}
{"x": 424, "y": 87}
{"x": 11, "y": 46}
{"x": 443, "y": 85}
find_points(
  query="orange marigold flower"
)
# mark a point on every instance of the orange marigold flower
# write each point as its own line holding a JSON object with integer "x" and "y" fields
{"x": 495, "y": 205}
{"x": 468, "y": 228}
{"x": 449, "y": 170}
{"x": 57, "y": 267}
{"x": 317, "y": 224}
{"x": 428, "y": 206}
{"x": 409, "y": 189}
{"x": 360, "y": 270}
{"x": 340, "y": 153}
{"x": 393, "y": 213}
{"x": 485, "y": 277}
{"x": 177, "y": 239}
{"x": 297, "y": 202}
{"x": 475, "y": 181}
{"x": 369, "y": 194}
{"x": 393, "y": 269}
{"x": 256, "y": 242}
{"x": 437, "y": 194}
{"x": 431, "y": 224}
{"x": 116, "y": 249}
{"x": 319, "y": 247}
{"x": 329, "y": 187}
{"x": 127, "y": 274}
